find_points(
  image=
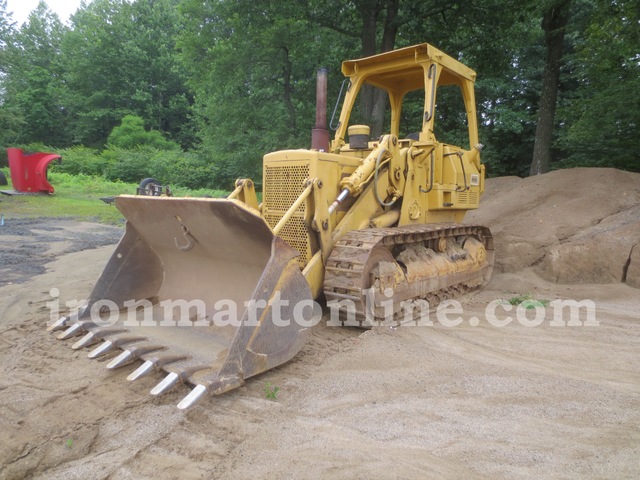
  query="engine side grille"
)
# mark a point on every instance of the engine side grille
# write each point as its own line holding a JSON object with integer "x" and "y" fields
{"x": 282, "y": 186}
{"x": 468, "y": 198}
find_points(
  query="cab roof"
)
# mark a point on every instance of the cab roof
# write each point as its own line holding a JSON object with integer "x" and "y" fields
{"x": 403, "y": 69}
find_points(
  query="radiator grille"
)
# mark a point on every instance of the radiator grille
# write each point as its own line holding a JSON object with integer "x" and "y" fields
{"x": 294, "y": 233}
{"x": 468, "y": 198}
{"x": 282, "y": 186}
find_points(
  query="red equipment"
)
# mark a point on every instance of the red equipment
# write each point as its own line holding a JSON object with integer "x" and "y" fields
{"x": 29, "y": 172}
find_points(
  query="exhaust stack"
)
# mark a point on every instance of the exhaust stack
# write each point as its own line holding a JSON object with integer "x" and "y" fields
{"x": 320, "y": 134}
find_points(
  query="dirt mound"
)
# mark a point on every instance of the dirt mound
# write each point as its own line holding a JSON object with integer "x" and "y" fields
{"x": 572, "y": 226}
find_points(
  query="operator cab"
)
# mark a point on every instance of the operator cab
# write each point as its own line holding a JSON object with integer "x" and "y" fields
{"x": 427, "y": 97}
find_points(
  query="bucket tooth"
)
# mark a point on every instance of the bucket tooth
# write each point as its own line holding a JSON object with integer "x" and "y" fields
{"x": 142, "y": 348}
{"x": 125, "y": 358}
{"x": 72, "y": 331}
{"x": 86, "y": 341}
{"x": 166, "y": 384}
{"x": 193, "y": 397}
{"x": 145, "y": 369}
{"x": 114, "y": 342}
{"x": 101, "y": 350}
{"x": 131, "y": 354}
{"x": 63, "y": 322}
{"x": 59, "y": 324}
{"x": 156, "y": 361}
{"x": 107, "y": 331}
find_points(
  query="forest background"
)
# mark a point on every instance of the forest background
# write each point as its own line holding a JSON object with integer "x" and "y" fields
{"x": 194, "y": 92}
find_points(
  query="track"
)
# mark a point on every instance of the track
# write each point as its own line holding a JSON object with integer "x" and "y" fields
{"x": 406, "y": 266}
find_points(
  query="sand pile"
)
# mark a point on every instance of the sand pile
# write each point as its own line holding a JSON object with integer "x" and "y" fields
{"x": 572, "y": 226}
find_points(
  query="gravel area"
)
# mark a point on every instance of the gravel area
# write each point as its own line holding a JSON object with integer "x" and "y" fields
{"x": 28, "y": 244}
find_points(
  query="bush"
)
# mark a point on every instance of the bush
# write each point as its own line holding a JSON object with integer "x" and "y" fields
{"x": 185, "y": 169}
{"x": 80, "y": 161}
{"x": 127, "y": 165}
{"x": 37, "y": 147}
{"x": 170, "y": 167}
{"x": 131, "y": 134}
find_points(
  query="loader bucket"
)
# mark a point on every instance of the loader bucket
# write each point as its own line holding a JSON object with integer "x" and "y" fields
{"x": 199, "y": 288}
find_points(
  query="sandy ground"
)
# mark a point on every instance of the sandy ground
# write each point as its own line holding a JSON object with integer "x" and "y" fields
{"x": 471, "y": 401}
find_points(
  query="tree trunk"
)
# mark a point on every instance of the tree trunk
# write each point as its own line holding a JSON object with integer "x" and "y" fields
{"x": 380, "y": 99}
{"x": 373, "y": 101}
{"x": 368, "y": 13}
{"x": 287, "y": 69}
{"x": 554, "y": 21}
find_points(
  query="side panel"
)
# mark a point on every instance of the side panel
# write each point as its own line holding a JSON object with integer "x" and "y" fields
{"x": 443, "y": 182}
{"x": 457, "y": 181}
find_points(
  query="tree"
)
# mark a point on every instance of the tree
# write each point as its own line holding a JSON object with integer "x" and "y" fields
{"x": 554, "y": 22}
{"x": 10, "y": 118}
{"x": 504, "y": 50}
{"x": 375, "y": 101}
{"x": 33, "y": 83}
{"x": 252, "y": 67}
{"x": 7, "y": 30}
{"x": 122, "y": 60}
{"x": 375, "y": 23}
{"x": 602, "y": 116}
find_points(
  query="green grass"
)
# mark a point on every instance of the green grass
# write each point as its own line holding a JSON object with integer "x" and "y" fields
{"x": 528, "y": 301}
{"x": 271, "y": 391}
{"x": 78, "y": 196}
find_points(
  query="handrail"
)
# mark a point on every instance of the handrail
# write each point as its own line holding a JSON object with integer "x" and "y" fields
{"x": 287, "y": 216}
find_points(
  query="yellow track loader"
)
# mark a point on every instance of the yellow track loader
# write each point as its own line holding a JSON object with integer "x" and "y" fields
{"x": 214, "y": 291}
